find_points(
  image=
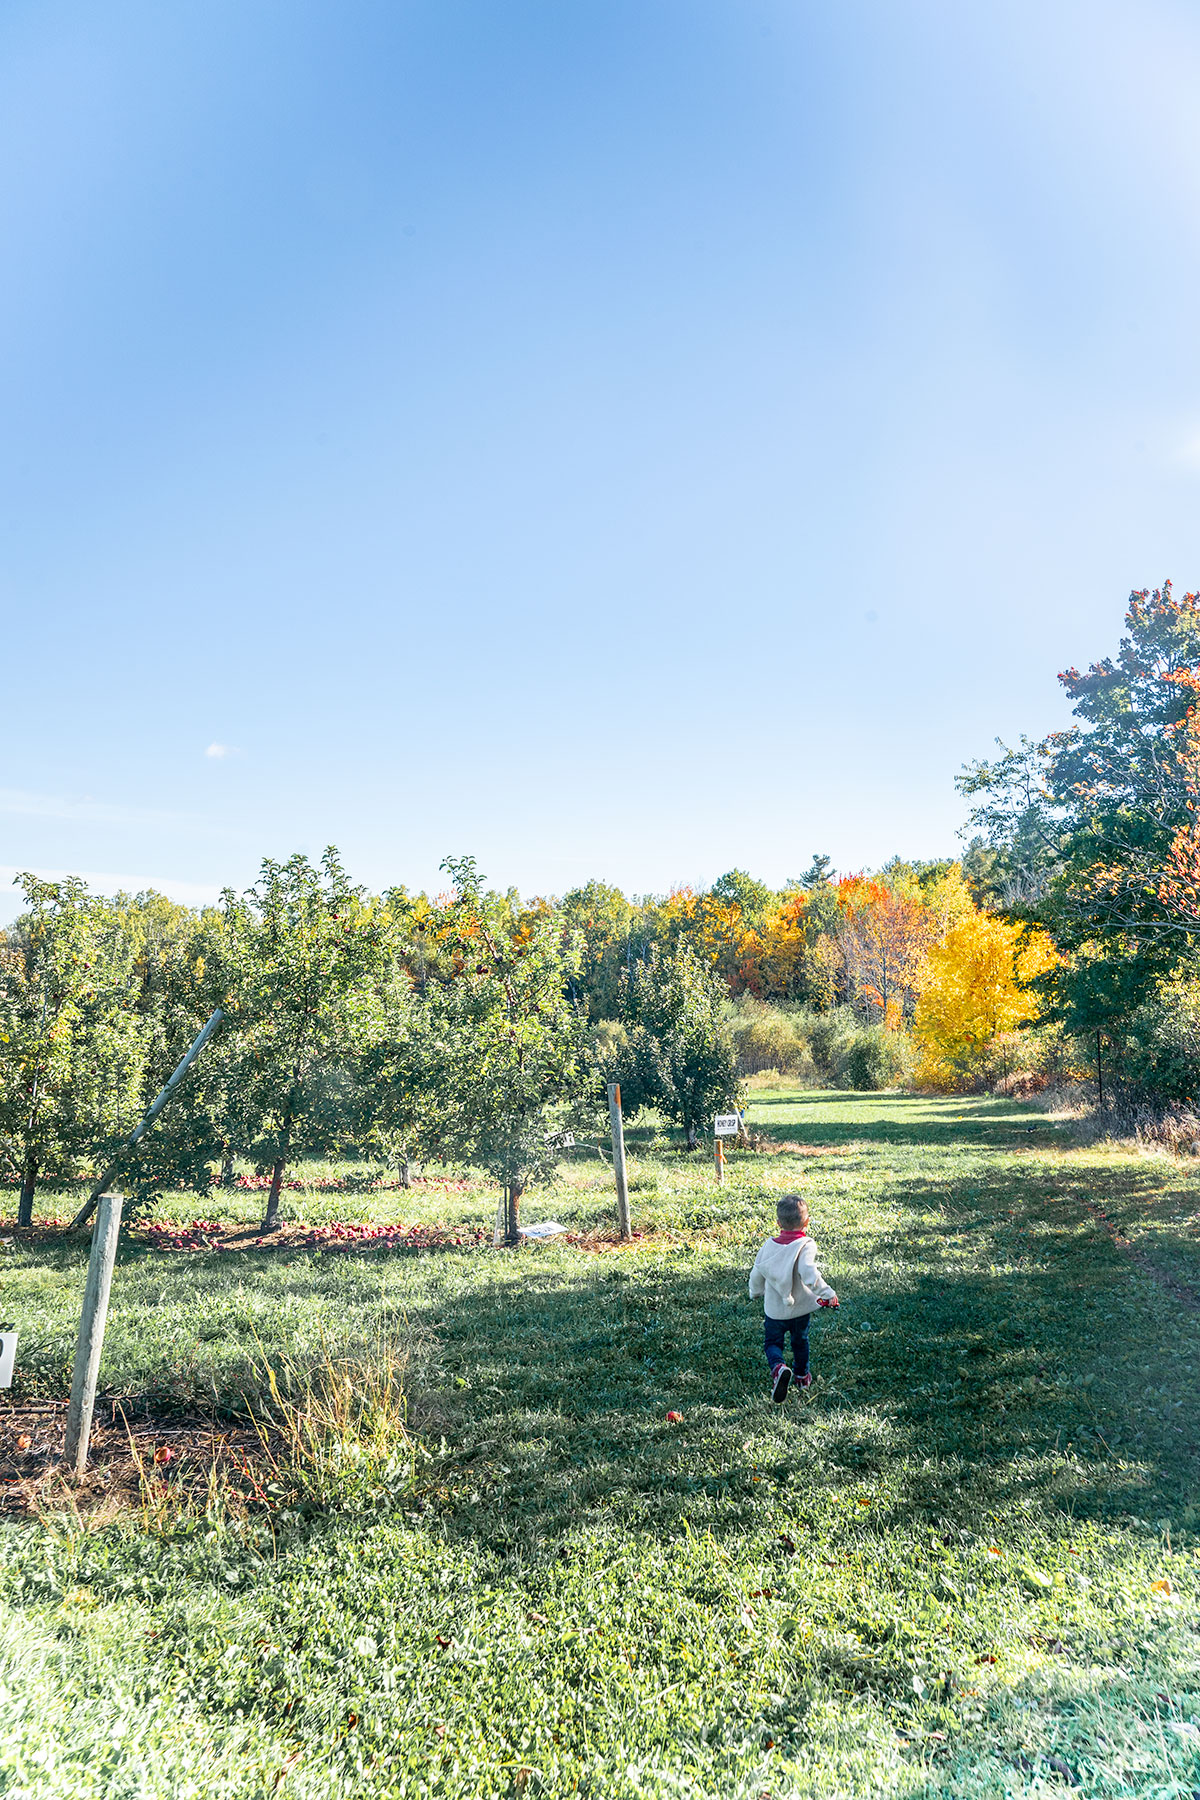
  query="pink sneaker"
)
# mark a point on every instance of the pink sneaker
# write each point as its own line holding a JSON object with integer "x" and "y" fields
{"x": 781, "y": 1383}
{"x": 804, "y": 1380}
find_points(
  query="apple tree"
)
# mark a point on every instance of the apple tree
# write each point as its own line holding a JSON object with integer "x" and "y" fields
{"x": 73, "y": 1045}
{"x": 303, "y": 958}
{"x": 501, "y": 1050}
{"x": 681, "y": 1055}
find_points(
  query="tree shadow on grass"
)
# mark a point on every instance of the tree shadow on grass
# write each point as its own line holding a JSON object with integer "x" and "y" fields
{"x": 998, "y": 1352}
{"x": 875, "y": 1118}
{"x": 947, "y": 1392}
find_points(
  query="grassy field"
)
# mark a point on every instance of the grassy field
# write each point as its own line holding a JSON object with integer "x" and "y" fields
{"x": 965, "y": 1564}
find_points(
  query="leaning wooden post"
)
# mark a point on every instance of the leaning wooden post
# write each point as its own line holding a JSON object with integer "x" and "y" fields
{"x": 160, "y": 1100}
{"x": 90, "y": 1341}
{"x": 618, "y": 1144}
{"x": 720, "y": 1162}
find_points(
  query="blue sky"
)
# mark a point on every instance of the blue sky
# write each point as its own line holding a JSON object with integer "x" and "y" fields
{"x": 623, "y": 439}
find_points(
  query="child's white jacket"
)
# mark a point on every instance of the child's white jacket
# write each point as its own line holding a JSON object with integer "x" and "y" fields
{"x": 788, "y": 1279}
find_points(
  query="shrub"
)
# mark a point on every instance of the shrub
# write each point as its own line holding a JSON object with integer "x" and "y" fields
{"x": 875, "y": 1058}
{"x": 829, "y": 1035}
{"x": 1022, "y": 1084}
{"x": 769, "y": 1039}
{"x": 1159, "y": 1056}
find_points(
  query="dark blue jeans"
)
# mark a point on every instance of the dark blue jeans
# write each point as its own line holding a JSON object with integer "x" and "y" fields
{"x": 774, "y": 1335}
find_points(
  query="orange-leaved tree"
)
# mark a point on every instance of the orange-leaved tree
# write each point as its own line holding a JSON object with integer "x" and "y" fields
{"x": 775, "y": 954}
{"x": 884, "y": 934}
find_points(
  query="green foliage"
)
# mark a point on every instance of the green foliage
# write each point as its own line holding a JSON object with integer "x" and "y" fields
{"x": 820, "y": 873}
{"x": 766, "y": 1038}
{"x": 822, "y": 973}
{"x": 1155, "y": 1046}
{"x": 72, "y": 1044}
{"x": 683, "y": 1060}
{"x": 821, "y": 913}
{"x": 1083, "y": 821}
{"x": 605, "y": 924}
{"x": 875, "y": 1058}
{"x": 829, "y": 1036}
{"x": 339, "y": 1009}
{"x": 177, "y": 992}
{"x": 834, "y": 1047}
{"x": 390, "y": 1108}
{"x": 301, "y": 961}
{"x": 754, "y": 899}
{"x": 985, "y": 867}
{"x": 505, "y": 1053}
{"x": 1076, "y": 833}
{"x": 608, "y": 1041}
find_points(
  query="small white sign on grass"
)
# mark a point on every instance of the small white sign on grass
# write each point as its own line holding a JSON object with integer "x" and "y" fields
{"x": 8, "y": 1356}
{"x": 548, "y": 1228}
{"x": 727, "y": 1125}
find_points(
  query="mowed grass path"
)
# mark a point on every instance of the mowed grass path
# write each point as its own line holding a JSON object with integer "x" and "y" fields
{"x": 964, "y": 1564}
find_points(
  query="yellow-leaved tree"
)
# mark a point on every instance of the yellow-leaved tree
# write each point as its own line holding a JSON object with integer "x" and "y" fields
{"x": 948, "y": 898}
{"x": 973, "y": 991}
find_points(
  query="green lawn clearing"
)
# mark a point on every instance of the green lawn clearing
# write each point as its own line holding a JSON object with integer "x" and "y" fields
{"x": 965, "y": 1564}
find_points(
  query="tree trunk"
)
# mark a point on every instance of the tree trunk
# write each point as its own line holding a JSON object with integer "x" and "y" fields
{"x": 28, "y": 1183}
{"x": 285, "y": 1144}
{"x": 403, "y": 1169}
{"x": 691, "y": 1137}
{"x": 512, "y": 1212}
{"x": 227, "y": 1168}
{"x": 270, "y": 1221}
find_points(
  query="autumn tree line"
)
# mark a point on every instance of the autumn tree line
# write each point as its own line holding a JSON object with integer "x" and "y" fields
{"x": 475, "y": 1027}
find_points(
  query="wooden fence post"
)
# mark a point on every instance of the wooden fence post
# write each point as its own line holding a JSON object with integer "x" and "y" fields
{"x": 618, "y": 1144}
{"x": 720, "y": 1162}
{"x": 90, "y": 1341}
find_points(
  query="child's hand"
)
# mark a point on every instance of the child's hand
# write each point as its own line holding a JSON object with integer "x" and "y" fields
{"x": 834, "y": 1302}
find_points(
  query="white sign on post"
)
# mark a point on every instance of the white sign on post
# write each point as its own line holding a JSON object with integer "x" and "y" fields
{"x": 8, "y": 1356}
{"x": 727, "y": 1125}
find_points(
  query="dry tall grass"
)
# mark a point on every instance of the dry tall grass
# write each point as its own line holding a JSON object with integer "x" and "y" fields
{"x": 1172, "y": 1126}
{"x": 340, "y": 1433}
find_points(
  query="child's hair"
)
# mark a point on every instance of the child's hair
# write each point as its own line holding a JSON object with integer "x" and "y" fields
{"x": 792, "y": 1212}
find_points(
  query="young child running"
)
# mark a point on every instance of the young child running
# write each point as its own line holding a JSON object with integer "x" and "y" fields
{"x": 786, "y": 1275}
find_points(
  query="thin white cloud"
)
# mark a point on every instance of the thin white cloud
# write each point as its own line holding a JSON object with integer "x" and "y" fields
{"x": 81, "y": 811}
{"x": 188, "y": 893}
{"x": 219, "y": 750}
